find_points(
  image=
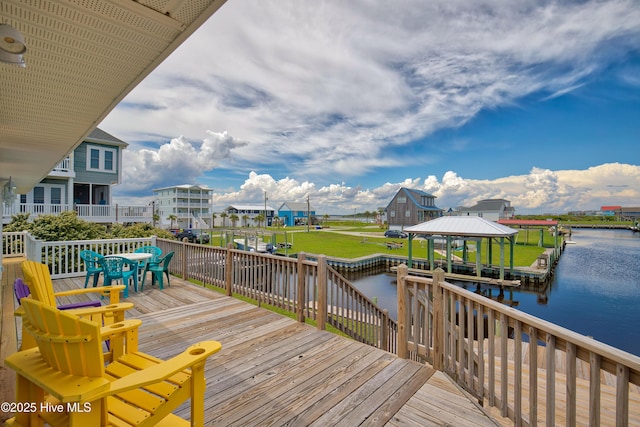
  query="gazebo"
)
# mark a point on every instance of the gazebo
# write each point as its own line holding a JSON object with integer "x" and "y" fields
{"x": 465, "y": 228}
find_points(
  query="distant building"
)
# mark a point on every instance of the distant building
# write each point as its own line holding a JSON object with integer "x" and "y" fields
{"x": 190, "y": 204}
{"x": 292, "y": 213}
{"x": 411, "y": 207}
{"x": 620, "y": 213}
{"x": 630, "y": 213}
{"x": 489, "y": 209}
{"x": 247, "y": 214}
{"x": 611, "y": 211}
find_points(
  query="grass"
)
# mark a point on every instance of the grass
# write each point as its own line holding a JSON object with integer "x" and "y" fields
{"x": 335, "y": 241}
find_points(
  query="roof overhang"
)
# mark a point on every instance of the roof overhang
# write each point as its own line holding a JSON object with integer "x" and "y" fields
{"x": 461, "y": 226}
{"x": 82, "y": 59}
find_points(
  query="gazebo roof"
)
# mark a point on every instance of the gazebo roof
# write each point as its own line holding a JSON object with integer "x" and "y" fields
{"x": 469, "y": 226}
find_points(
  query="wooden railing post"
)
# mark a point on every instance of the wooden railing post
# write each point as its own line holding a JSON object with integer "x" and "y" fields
{"x": 301, "y": 287}
{"x": 438, "y": 320}
{"x": 321, "y": 309}
{"x": 228, "y": 271}
{"x": 185, "y": 275}
{"x": 384, "y": 331}
{"x": 403, "y": 347}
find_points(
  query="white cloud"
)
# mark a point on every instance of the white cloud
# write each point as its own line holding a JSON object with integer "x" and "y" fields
{"x": 176, "y": 162}
{"x": 540, "y": 191}
{"x": 327, "y": 88}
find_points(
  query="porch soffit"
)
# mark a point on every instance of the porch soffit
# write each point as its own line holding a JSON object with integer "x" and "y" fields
{"x": 82, "y": 59}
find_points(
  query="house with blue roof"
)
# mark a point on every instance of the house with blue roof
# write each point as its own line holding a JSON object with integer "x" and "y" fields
{"x": 410, "y": 207}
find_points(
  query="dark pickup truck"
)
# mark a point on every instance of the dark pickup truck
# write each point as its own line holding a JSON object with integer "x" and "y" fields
{"x": 193, "y": 236}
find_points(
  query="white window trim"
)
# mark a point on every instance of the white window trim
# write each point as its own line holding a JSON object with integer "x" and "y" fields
{"x": 101, "y": 159}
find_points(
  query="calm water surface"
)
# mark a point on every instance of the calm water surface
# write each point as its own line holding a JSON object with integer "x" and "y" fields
{"x": 595, "y": 290}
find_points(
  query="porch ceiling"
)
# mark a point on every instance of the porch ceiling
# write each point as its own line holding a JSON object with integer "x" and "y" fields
{"x": 83, "y": 57}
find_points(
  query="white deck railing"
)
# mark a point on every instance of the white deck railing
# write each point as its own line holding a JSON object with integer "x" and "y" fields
{"x": 63, "y": 258}
{"x": 13, "y": 243}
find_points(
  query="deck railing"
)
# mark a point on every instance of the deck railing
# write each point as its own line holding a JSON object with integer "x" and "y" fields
{"x": 63, "y": 258}
{"x": 532, "y": 370}
{"x": 13, "y": 243}
{"x": 309, "y": 289}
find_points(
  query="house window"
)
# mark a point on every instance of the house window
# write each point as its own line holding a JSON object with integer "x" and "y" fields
{"x": 100, "y": 159}
{"x": 95, "y": 159}
{"x": 56, "y": 196}
{"x": 407, "y": 213}
{"x": 108, "y": 160}
{"x": 392, "y": 214}
{"x": 38, "y": 195}
{"x": 402, "y": 199}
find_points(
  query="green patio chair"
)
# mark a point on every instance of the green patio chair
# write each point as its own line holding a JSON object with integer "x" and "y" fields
{"x": 92, "y": 265}
{"x": 162, "y": 268}
{"x": 143, "y": 266}
{"x": 115, "y": 268}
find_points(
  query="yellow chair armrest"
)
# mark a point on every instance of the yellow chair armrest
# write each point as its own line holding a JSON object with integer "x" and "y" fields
{"x": 104, "y": 310}
{"x": 106, "y": 332}
{"x": 112, "y": 291}
{"x": 197, "y": 353}
{"x": 19, "y": 312}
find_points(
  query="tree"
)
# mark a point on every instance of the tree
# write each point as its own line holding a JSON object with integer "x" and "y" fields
{"x": 172, "y": 218}
{"x": 245, "y": 220}
{"x": 224, "y": 216}
{"x": 213, "y": 220}
{"x": 259, "y": 218}
{"x": 325, "y": 218}
{"x": 234, "y": 218}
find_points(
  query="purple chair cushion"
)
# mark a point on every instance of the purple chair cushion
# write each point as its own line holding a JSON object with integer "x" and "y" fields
{"x": 22, "y": 290}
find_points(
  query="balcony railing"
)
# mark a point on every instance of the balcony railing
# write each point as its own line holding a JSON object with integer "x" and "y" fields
{"x": 92, "y": 213}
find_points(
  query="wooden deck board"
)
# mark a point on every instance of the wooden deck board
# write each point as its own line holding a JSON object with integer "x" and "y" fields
{"x": 272, "y": 370}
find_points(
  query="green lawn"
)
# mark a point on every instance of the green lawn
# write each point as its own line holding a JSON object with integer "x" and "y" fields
{"x": 335, "y": 241}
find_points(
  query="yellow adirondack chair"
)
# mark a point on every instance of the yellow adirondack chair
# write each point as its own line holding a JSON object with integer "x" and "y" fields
{"x": 38, "y": 279}
{"x": 66, "y": 382}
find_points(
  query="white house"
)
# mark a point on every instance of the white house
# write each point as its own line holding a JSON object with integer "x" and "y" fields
{"x": 489, "y": 209}
{"x": 247, "y": 214}
{"x": 189, "y": 204}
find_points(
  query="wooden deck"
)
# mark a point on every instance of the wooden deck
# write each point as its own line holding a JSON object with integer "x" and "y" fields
{"x": 273, "y": 370}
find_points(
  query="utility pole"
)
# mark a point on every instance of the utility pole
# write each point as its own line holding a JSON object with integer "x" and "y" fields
{"x": 265, "y": 210}
{"x": 308, "y": 213}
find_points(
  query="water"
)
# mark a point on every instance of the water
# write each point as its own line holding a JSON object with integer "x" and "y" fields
{"x": 595, "y": 290}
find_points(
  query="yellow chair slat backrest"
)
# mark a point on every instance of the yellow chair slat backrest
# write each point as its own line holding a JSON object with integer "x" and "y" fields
{"x": 67, "y": 343}
{"x": 38, "y": 279}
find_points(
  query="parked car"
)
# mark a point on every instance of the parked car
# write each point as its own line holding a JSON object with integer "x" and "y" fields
{"x": 396, "y": 234}
{"x": 194, "y": 236}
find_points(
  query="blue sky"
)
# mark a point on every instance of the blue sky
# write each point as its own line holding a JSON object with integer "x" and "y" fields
{"x": 345, "y": 102}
